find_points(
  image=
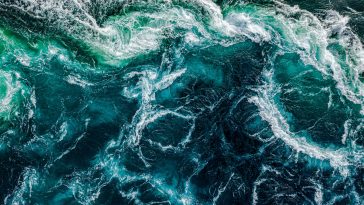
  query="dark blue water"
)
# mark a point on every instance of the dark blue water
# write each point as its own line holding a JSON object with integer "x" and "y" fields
{"x": 181, "y": 102}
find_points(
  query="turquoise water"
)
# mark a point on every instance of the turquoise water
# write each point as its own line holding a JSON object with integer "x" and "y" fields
{"x": 181, "y": 102}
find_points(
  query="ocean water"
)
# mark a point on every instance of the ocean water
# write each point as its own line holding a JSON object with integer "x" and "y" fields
{"x": 181, "y": 102}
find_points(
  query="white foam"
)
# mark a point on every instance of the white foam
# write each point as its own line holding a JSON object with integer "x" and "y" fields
{"x": 10, "y": 102}
{"x": 77, "y": 80}
{"x": 242, "y": 24}
{"x": 346, "y": 131}
{"x": 319, "y": 195}
{"x": 234, "y": 24}
{"x": 122, "y": 38}
{"x": 310, "y": 37}
{"x": 25, "y": 187}
{"x": 281, "y": 129}
{"x": 150, "y": 82}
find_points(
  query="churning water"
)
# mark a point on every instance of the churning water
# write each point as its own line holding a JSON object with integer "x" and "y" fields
{"x": 181, "y": 102}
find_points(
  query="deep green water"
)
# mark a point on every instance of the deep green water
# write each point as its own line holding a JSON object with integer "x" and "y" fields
{"x": 181, "y": 102}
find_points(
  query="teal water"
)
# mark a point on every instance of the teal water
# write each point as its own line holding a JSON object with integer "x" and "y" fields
{"x": 181, "y": 102}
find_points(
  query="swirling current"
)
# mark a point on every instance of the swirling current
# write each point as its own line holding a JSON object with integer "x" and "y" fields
{"x": 181, "y": 102}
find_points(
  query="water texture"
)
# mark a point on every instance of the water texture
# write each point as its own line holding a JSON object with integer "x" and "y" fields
{"x": 181, "y": 102}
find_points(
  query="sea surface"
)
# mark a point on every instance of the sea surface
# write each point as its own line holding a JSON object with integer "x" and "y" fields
{"x": 181, "y": 102}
